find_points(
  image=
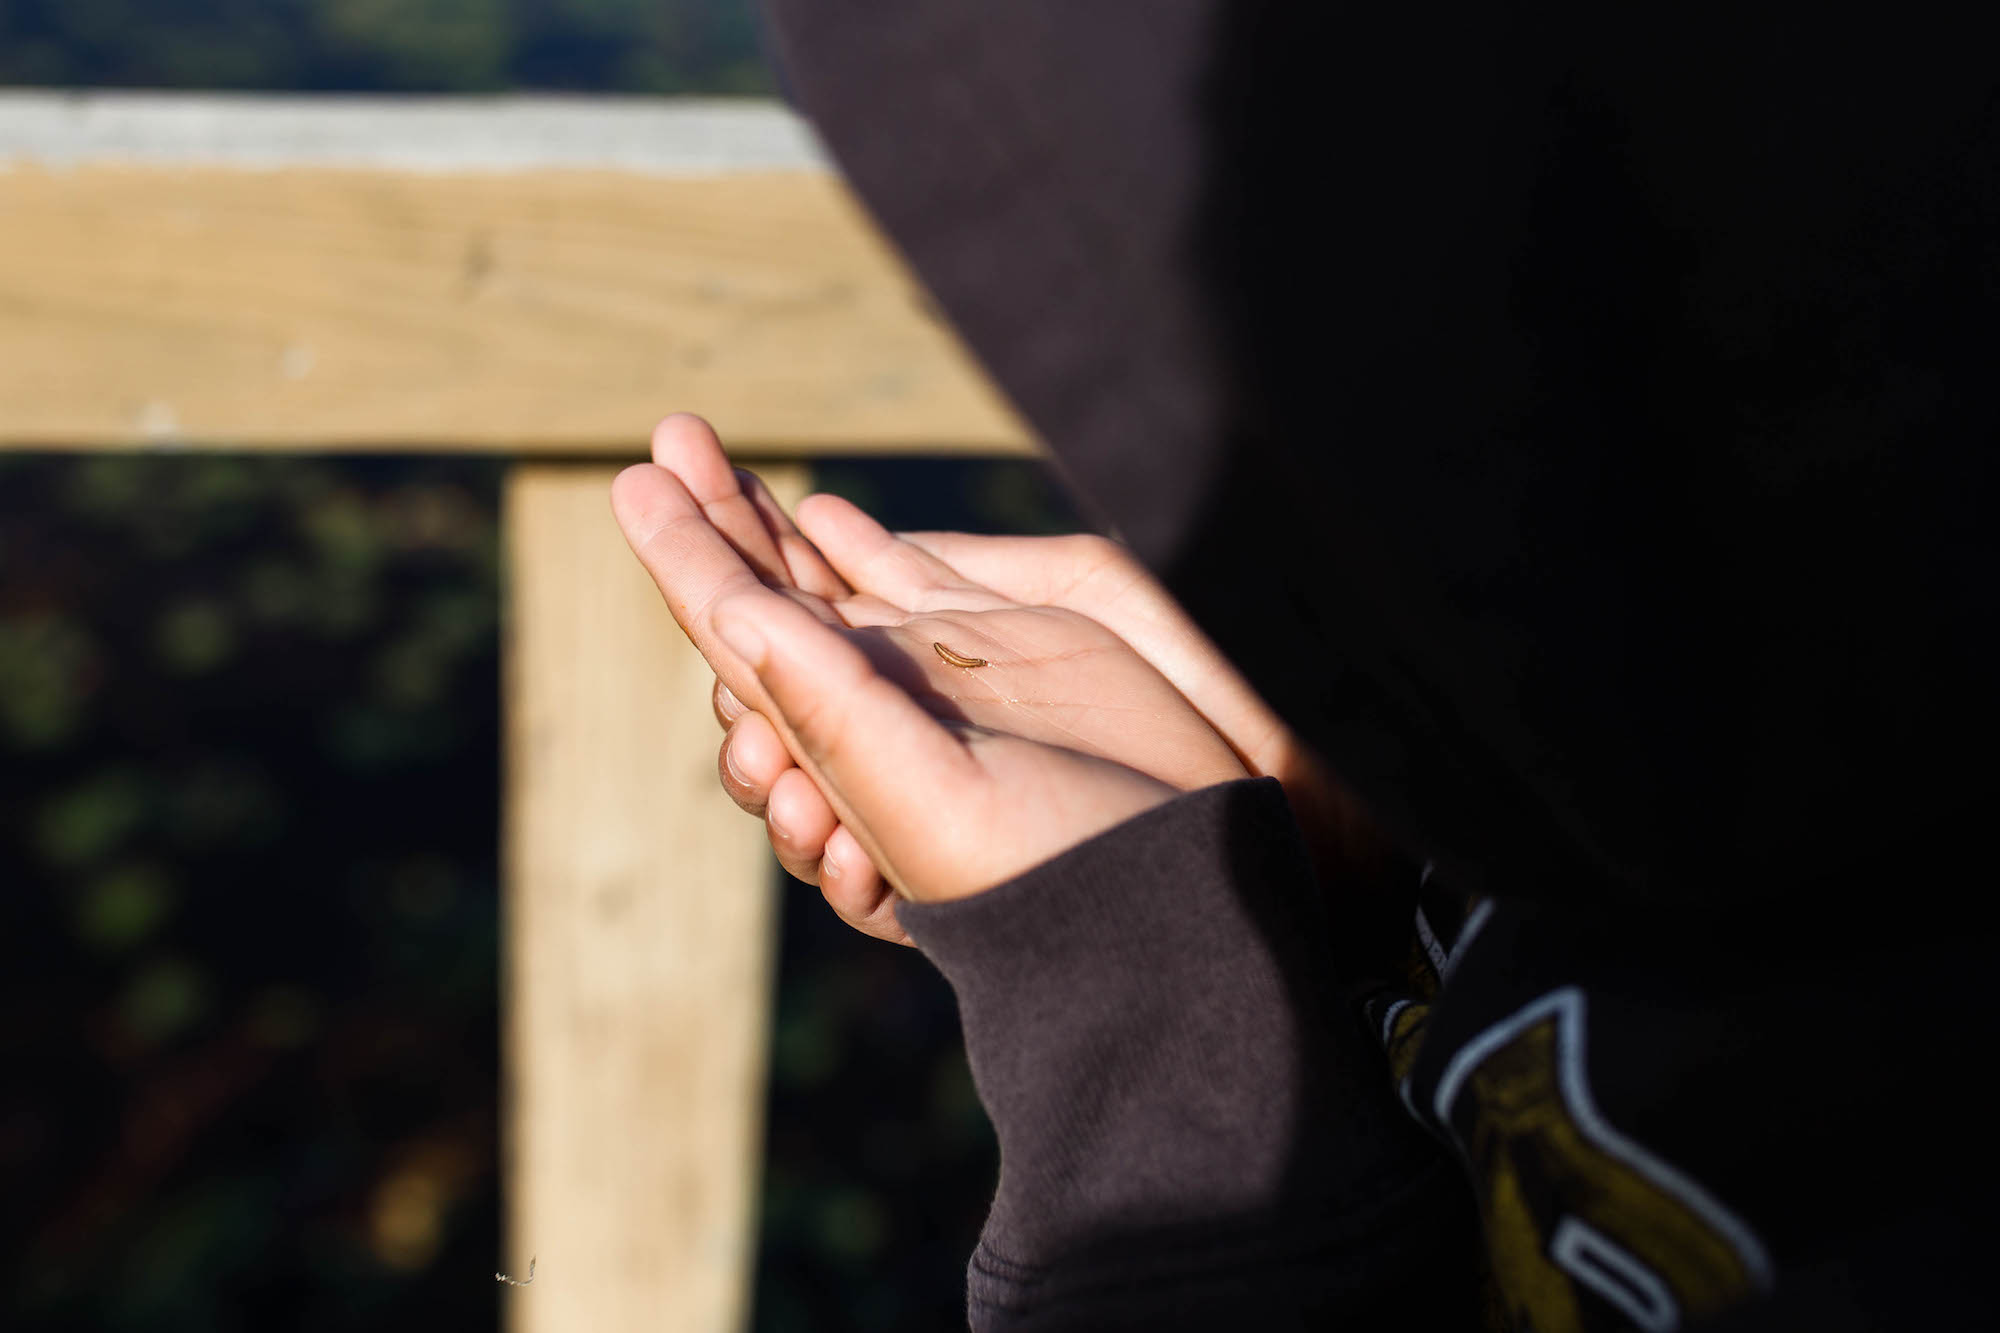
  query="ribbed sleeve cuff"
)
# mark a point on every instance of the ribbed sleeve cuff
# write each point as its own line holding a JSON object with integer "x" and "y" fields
{"x": 1173, "y": 1077}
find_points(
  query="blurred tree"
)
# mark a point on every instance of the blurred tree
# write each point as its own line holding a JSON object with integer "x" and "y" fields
{"x": 249, "y": 723}
{"x": 625, "y": 46}
{"x": 249, "y": 720}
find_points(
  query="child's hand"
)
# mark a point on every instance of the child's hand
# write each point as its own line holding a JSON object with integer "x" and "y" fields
{"x": 1036, "y": 609}
{"x": 952, "y": 778}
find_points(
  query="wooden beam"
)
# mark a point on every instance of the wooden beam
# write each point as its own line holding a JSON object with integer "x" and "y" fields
{"x": 639, "y": 929}
{"x": 300, "y": 274}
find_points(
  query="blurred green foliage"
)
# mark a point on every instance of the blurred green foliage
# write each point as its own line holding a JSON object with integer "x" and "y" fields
{"x": 461, "y": 46}
{"x": 46, "y": 666}
{"x": 249, "y": 781}
{"x": 250, "y": 903}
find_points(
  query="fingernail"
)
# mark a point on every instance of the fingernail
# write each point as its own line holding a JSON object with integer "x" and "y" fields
{"x": 742, "y": 637}
{"x": 729, "y": 762}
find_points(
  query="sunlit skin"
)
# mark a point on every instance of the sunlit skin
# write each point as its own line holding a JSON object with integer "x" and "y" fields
{"x": 881, "y": 767}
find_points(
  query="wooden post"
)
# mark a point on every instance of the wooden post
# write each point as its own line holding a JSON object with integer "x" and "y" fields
{"x": 639, "y": 920}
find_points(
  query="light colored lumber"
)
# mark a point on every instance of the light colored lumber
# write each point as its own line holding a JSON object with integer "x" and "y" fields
{"x": 662, "y": 136}
{"x": 179, "y": 287}
{"x": 639, "y": 936}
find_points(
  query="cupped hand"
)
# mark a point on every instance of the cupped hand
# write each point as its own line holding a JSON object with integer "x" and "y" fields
{"x": 858, "y": 574}
{"x": 1066, "y": 728}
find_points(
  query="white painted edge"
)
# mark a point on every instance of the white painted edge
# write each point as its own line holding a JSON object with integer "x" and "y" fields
{"x": 645, "y": 136}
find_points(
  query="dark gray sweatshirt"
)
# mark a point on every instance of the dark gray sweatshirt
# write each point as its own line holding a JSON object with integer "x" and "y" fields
{"x": 1579, "y": 424}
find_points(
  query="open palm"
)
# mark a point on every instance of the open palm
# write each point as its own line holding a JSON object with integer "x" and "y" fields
{"x": 1071, "y": 726}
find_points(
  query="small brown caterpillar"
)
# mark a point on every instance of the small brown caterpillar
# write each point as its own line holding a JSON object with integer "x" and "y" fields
{"x": 958, "y": 659}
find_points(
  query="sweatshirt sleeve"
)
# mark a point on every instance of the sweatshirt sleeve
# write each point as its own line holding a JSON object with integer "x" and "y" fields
{"x": 1194, "y": 1127}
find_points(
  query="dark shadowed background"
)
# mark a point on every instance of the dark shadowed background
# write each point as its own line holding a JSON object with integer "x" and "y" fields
{"x": 249, "y": 802}
{"x": 457, "y": 46}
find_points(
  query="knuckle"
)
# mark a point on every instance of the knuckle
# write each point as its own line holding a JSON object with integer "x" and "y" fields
{"x": 1099, "y": 565}
{"x": 700, "y": 611}
{"x": 670, "y": 535}
{"x": 1094, "y": 549}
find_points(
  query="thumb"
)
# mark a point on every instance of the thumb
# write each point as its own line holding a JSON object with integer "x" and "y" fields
{"x": 882, "y": 761}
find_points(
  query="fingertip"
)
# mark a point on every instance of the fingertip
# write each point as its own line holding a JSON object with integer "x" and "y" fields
{"x": 799, "y": 816}
{"x": 629, "y": 473}
{"x": 755, "y": 753}
{"x": 646, "y": 498}
{"x": 844, "y": 857}
{"x": 826, "y": 512}
{"x": 675, "y": 425}
{"x": 689, "y": 447}
{"x": 736, "y": 785}
{"x": 630, "y": 491}
{"x": 726, "y": 705}
{"x": 856, "y": 891}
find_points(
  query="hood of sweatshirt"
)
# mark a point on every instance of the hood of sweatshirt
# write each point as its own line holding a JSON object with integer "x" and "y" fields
{"x": 1576, "y": 426}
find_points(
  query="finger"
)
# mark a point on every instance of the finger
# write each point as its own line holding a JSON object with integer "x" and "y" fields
{"x": 750, "y": 761}
{"x": 726, "y": 705}
{"x": 856, "y": 891}
{"x": 693, "y": 565}
{"x": 799, "y": 821}
{"x": 874, "y": 561}
{"x": 1036, "y": 571}
{"x": 846, "y": 877}
{"x": 876, "y": 754}
{"x": 1096, "y": 577}
{"x": 863, "y": 610}
{"x": 687, "y": 446}
{"x": 807, "y": 567}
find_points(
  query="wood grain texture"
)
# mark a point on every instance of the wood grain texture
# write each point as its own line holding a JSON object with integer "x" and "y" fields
{"x": 639, "y": 929}
{"x": 541, "y": 311}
